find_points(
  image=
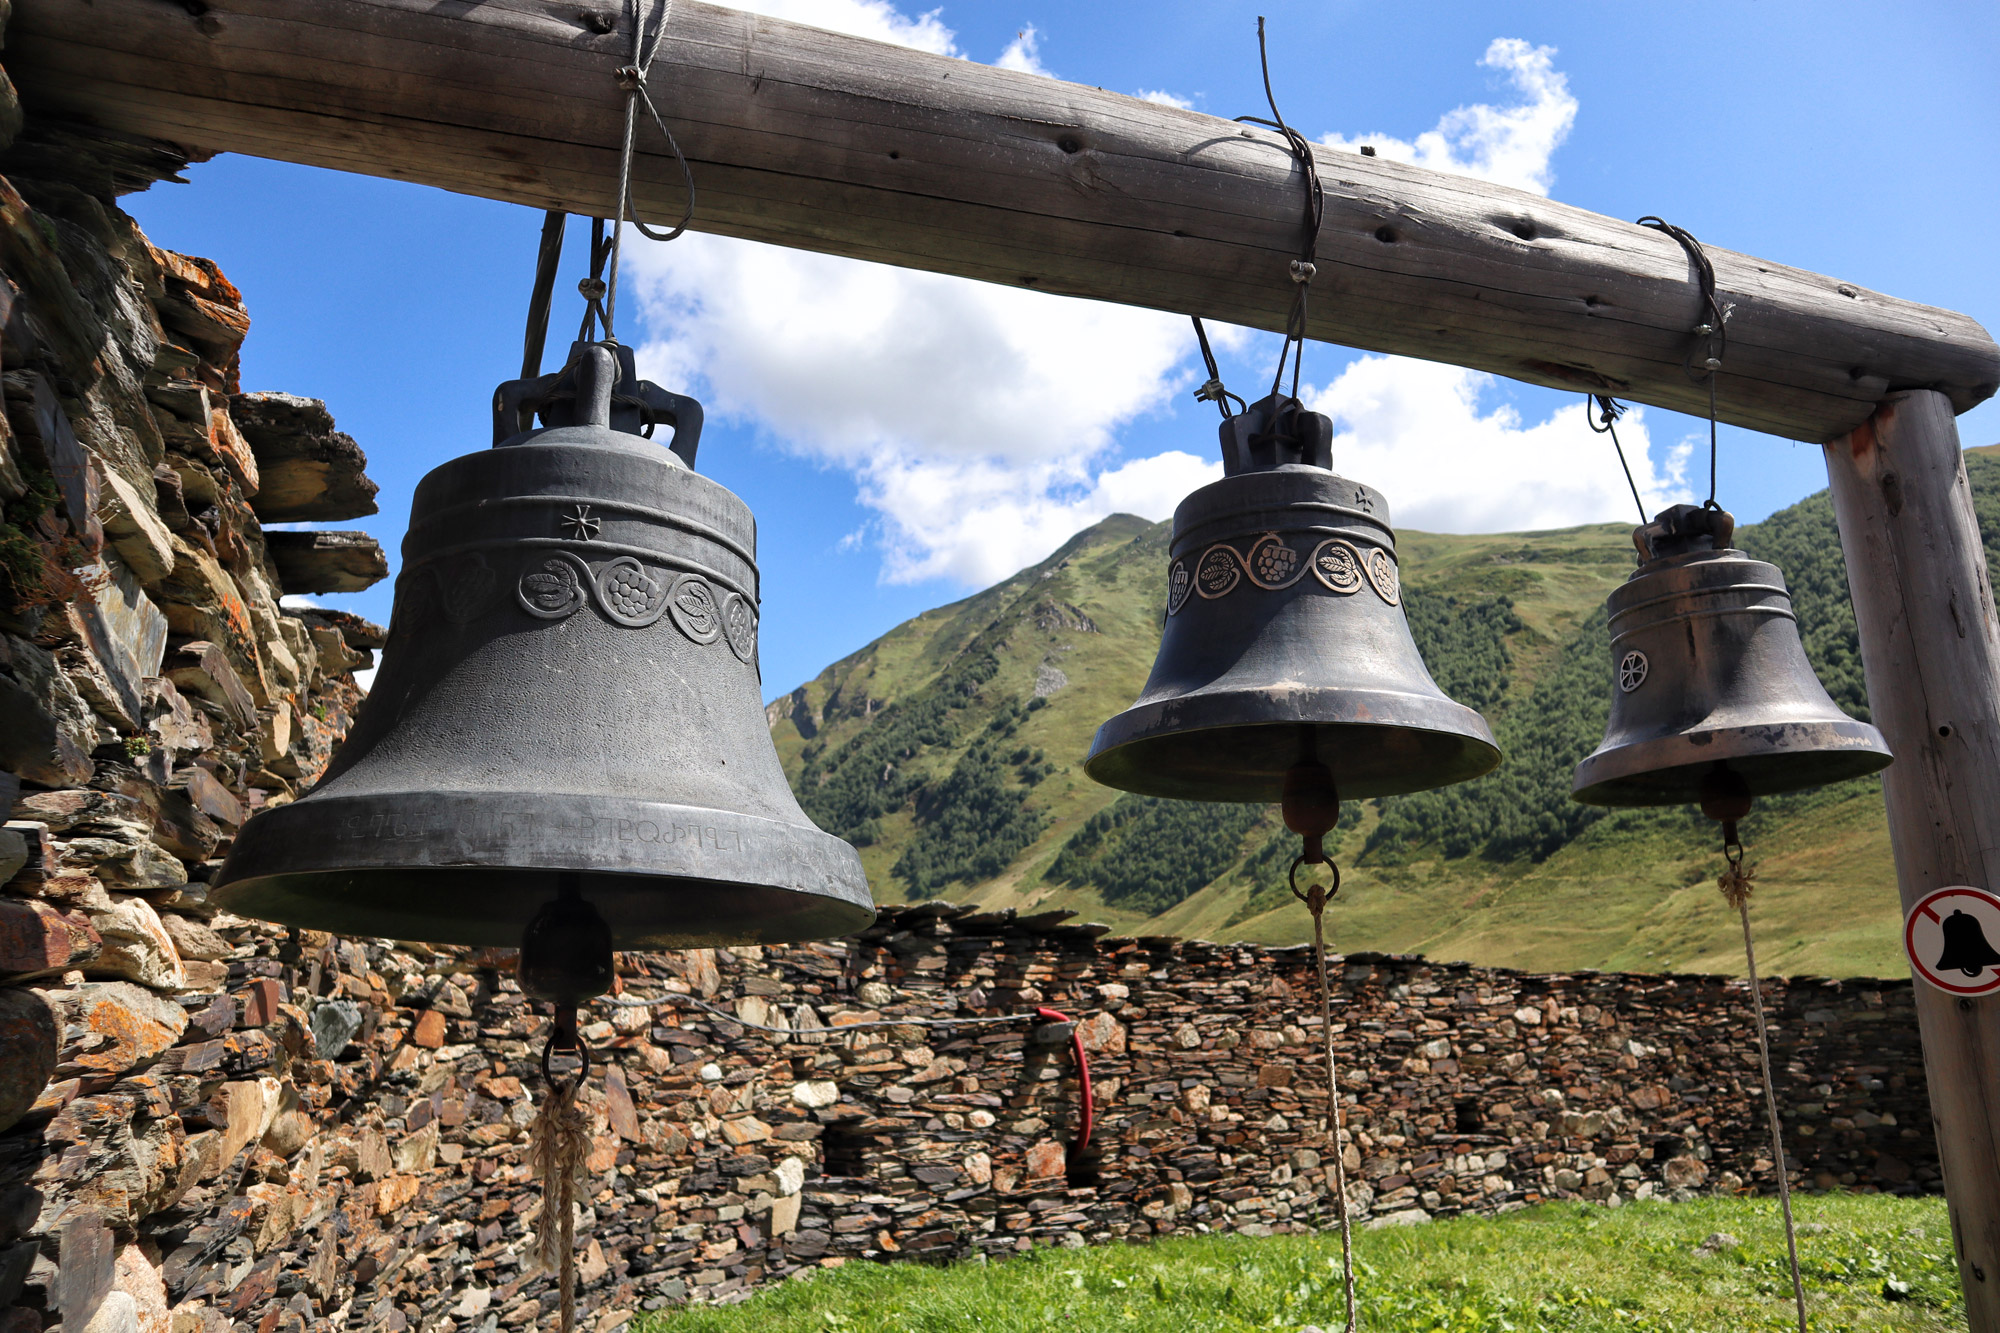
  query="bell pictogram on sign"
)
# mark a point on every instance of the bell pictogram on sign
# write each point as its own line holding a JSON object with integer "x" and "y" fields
{"x": 1949, "y": 938}
{"x": 1965, "y": 946}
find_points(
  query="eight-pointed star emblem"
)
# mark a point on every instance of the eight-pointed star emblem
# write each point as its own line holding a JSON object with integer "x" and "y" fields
{"x": 580, "y": 524}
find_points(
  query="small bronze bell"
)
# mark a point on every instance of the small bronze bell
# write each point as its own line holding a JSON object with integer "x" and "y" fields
{"x": 1712, "y": 683}
{"x": 1965, "y": 946}
{"x": 569, "y": 700}
{"x": 1285, "y": 642}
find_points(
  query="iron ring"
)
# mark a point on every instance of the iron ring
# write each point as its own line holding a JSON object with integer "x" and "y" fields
{"x": 1293, "y": 877}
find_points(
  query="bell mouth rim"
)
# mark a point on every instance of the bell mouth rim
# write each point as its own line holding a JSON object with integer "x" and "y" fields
{"x": 1457, "y": 743}
{"x": 374, "y": 903}
{"x": 789, "y": 881}
{"x": 1771, "y": 758}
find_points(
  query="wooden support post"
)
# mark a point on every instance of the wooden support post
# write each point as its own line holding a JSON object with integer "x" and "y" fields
{"x": 1930, "y": 643}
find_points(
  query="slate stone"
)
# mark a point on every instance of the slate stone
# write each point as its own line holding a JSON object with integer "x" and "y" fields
{"x": 334, "y": 1025}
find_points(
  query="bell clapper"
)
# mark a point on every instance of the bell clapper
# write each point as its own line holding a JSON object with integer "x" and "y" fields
{"x": 1311, "y": 808}
{"x": 566, "y": 960}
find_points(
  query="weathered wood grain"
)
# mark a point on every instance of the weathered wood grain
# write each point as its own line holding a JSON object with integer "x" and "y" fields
{"x": 1930, "y": 644}
{"x": 832, "y": 143}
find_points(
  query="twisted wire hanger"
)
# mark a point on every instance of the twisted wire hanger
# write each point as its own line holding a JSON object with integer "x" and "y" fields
{"x": 1301, "y": 270}
{"x": 1304, "y": 268}
{"x": 1710, "y": 332}
{"x": 632, "y": 78}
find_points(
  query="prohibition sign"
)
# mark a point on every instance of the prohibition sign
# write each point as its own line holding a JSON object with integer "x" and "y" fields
{"x": 1950, "y": 937}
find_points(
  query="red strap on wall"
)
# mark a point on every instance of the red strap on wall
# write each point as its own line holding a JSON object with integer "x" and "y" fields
{"x": 1089, "y": 1117}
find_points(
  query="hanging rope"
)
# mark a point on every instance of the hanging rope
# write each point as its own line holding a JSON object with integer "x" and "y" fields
{"x": 1609, "y": 410}
{"x": 1316, "y": 897}
{"x": 1711, "y": 331}
{"x": 1736, "y": 886}
{"x": 632, "y": 78}
{"x": 558, "y": 1146}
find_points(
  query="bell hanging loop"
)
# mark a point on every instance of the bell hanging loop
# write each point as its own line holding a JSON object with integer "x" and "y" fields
{"x": 567, "y": 735}
{"x": 1285, "y": 641}
{"x": 1714, "y": 701}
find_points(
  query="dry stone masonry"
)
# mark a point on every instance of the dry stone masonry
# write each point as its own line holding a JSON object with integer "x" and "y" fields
{"x": 208, "y": 1122}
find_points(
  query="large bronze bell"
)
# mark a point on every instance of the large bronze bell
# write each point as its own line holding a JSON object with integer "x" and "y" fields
{"x": 1285, "y": 643}
{"x": 569, "y": 700}
{"x": 1714, "y": 697}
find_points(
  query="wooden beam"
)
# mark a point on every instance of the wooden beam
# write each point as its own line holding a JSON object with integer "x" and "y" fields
{"x": 1930, "y": 644}
{"x": 810, "y": 139}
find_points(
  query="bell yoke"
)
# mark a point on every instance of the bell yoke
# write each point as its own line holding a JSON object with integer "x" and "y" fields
{"x": 569, "y": 699}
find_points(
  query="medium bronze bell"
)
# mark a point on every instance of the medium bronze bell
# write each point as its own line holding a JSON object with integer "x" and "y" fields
{"x": 569, "y": 699}
{"x": 1285, "y": 642}
{"x": 1965, "y": 947}
{"x": 1713, "y": 689}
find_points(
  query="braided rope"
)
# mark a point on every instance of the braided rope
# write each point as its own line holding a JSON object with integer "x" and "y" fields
{"x": 1736, "y": 887}
{"x": 1315, "y": 897}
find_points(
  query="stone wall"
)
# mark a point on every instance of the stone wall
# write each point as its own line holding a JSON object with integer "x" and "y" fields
{"x": 154, "y": 692}
{"x": 336, "y": 1134}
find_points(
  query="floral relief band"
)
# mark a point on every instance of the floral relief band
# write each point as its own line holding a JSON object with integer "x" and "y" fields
{"x": 1273, "y": 564}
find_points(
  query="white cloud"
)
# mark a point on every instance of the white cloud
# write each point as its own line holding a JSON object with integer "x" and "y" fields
{"x": 1164, "y": 98}
{"x": 981, "y": 424}
{"x": 1507, "y": 145}
{"x": 976, "y": 418}
{"x": 1416, "y": 431}
{"x": 877, "y": 20}
{"x": 365, "y": 678}
{"x": 1024, "y": 53}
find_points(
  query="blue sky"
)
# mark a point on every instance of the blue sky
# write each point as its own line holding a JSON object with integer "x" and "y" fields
{"x": 1857, "y": 140}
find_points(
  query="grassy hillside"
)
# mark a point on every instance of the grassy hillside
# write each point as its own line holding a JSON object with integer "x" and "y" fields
{"x": 950, "y": 751}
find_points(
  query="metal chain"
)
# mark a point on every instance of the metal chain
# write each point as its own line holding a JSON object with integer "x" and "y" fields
{"x": 1735, "y": 884}
{"x": 1316, "y": 897}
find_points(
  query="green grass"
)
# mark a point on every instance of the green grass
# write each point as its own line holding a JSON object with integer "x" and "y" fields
{"x": 1871, "y": 1262}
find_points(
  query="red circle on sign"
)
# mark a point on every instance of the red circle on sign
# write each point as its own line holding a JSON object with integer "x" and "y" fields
{"x": 1921, "y": 935}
